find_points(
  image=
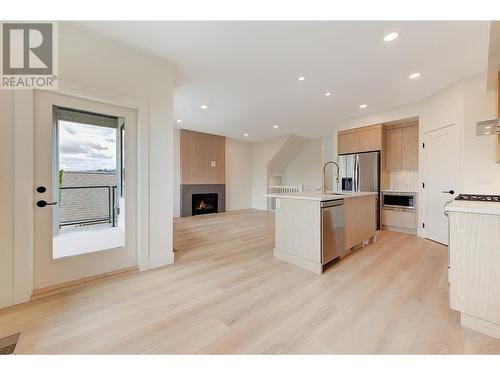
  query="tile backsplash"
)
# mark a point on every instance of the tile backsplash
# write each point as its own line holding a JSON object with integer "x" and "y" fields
{"x": 404, "y": 181}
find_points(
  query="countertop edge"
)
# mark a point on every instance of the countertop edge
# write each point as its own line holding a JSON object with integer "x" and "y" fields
{"x": 485, "y": 208}
{"x": 315, "y": 197}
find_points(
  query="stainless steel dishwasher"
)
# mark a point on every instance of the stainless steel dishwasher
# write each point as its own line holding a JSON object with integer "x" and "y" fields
{"x": 332, "y": 230}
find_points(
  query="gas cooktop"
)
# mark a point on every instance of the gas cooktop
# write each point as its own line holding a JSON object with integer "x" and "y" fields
{"x": 478, "y": 198}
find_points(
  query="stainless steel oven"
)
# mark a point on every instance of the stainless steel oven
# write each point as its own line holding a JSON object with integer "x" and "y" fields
{"x": 398, "y": 200}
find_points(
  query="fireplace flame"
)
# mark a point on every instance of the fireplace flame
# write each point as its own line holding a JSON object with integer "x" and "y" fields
{"x": 202, "y": 205}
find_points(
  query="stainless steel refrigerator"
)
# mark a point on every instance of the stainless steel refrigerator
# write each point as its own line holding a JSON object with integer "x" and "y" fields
{"x": 361, "y": 172}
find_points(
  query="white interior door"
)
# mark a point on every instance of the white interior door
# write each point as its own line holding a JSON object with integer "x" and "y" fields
{"x": 442, "y": 162}
{"x": 48, "y": 269}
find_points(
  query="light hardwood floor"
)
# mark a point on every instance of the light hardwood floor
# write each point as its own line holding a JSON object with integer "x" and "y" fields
{"x": 227, "y": 294}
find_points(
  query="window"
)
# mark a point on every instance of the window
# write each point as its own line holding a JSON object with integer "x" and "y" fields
{"x": 89, "y": 170}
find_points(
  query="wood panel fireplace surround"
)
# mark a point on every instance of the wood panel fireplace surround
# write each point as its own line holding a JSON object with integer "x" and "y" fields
{"x": 202, "y": 164}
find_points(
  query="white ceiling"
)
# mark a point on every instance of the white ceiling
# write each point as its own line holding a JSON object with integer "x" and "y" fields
{"x": 247, "y": 72}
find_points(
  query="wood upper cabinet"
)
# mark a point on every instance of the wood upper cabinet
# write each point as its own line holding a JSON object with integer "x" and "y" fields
{"x": 368, "y": 138}
{"x": 402, "y": 149}
{"x": 393, "y": 156}
{"x": 348, "y": 143}
{"x": 409, "y": 148}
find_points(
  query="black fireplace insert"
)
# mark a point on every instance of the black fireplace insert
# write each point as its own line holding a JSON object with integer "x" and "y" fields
{"x": 205, "y": 204}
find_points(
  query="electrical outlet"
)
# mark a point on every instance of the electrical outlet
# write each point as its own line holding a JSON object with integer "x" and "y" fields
{"x": 213, "y": 163}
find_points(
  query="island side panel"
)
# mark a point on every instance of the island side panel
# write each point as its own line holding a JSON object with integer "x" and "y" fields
{"x": 298, "y": 233}
{"x": 360, "y": 220}
{"x": 475, "y": 268}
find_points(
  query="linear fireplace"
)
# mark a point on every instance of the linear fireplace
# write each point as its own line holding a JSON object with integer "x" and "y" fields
{"x": 204, "y": 203}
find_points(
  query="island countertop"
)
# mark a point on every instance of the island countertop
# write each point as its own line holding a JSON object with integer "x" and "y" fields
{"x": 486, "y": 208}
{"x": 318, "y": 196}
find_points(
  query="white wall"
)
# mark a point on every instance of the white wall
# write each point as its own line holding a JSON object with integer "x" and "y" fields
{"x": 306, "y": 167}
{"x": 288, "y": 151}
{"x": 7, "y": 194}
{"x": 327, "y": 151}
{"x": 238, "y": 175}
{"x": 463, "y": 103}
{"x": 262, "y": 153}
{"x": 480, "y": 173}
{"x": 93, "y": 61}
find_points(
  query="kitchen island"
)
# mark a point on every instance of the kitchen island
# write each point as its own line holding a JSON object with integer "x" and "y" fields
{"x": 474, "y": 264}
{"x": 313, "y": 229}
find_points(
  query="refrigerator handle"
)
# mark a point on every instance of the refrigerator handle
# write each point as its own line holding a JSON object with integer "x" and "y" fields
{"x": 353, "y": 173}
{"x": 356, "y": 173}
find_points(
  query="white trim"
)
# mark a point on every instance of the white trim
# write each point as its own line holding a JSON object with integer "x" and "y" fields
{"x": 480, "y": 325}
{"x": 23, "y": 179}
{"x": 161, "y": 261}
{"x": 23, "y": 195}
{"x": 317, "y": 268}
{"x": 142, "y": 107}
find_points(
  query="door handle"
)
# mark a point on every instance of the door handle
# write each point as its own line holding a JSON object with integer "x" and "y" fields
{"x": 44, "y": 203}
{"x": 449, "y": 192}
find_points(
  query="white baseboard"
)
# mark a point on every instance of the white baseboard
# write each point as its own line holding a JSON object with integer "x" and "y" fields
{"x": 161, "y": 261}
{"x": 480, "y": 325}
{"x": 392, "y": 228}
{"x": 299, "y": 262}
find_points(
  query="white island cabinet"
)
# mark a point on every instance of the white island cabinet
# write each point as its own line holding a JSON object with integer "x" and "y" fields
{"x": 474, "y": 260}
{"x": 306, "y": 233}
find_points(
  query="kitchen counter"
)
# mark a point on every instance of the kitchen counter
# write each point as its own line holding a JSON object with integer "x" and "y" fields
{"x": 318, "y": 196}
{"x": 310, "y": 235}
{"x": 486, "y": 208}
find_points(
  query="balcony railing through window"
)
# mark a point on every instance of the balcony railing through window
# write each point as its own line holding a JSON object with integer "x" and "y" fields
{"x": 87, "y": 205}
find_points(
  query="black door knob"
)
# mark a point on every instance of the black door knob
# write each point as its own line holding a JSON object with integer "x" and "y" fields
{"x": 41, "y": 189}
{"x": 449, "y": 192}
{"x": 44, "y": 203}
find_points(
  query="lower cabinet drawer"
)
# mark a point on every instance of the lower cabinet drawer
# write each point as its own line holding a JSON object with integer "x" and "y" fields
{"x": 402, "y": 219}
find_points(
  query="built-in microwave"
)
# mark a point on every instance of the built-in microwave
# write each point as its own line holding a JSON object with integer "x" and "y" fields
{"x": 397, "y": 200}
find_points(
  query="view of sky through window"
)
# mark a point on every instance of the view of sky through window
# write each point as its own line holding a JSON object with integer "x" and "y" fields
{"x": 86, "y": 147}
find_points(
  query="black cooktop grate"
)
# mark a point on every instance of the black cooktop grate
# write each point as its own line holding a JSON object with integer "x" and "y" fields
{"x": 478, "y": 198}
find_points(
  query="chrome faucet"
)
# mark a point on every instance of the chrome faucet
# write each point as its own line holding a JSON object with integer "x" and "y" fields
{"x": 323, "y": 187}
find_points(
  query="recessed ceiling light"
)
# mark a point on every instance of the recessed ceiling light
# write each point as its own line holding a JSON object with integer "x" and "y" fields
{"x": 487, "y": 127}
{"x": 414, "y": 75}
{"x": 276, "y": 126}
{"x": 328, "y": 93}
{"x": 363, "y": 106}
{"x": 179, "y": 121}
{"x": 301, "y": 78}
{"x": 246, "y": 134}
{"x": 204, "y": 107}
{"x": 487, "y": 133}
{"x": 390, "y": 37}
